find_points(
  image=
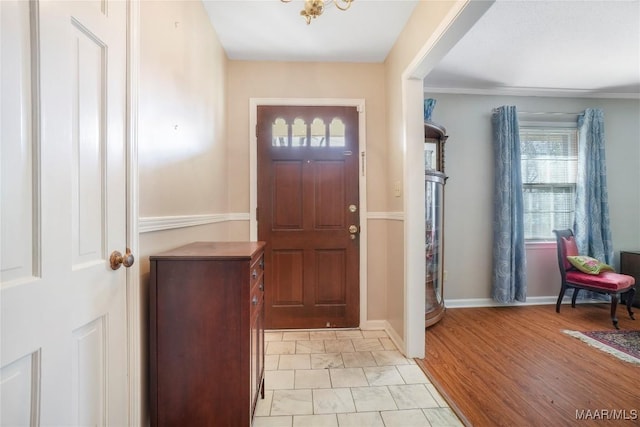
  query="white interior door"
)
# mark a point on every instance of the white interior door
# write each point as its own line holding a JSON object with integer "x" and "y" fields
{"x": 63, "y": 355}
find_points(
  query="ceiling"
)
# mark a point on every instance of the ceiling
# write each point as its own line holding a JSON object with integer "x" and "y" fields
{"x": 269, "y": 30}
{"x": 553, "y": 46}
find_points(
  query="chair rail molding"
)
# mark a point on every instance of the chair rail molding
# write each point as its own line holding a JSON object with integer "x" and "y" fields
{"x": 170, "y": 222}
{"x": 390, "y": 216}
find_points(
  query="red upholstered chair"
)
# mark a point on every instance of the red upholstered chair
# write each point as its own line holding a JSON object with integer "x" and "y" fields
{"x": 606, "y": 282}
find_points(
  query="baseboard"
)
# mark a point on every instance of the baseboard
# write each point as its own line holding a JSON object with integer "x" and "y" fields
{"x": 383, "y": 325}
{"x": 488, "y": 302}
{"x": 397, "y": 339}
{"x": 374, "y": 325}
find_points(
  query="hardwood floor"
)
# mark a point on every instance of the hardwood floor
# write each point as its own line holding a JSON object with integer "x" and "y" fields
{"x": 512, "y": 366}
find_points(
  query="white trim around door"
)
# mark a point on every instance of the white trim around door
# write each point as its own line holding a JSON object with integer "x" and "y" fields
{"x": 134, "y": 297}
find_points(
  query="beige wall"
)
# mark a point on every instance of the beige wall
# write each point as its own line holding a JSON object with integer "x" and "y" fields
{"x": 468, "y": 192}
{"x": 248, "y": 79}
{"x": 182, "y": 122}
{"x": 423, "y": 23}
{"x": 182, "y": 117}
{"x": 252, "y": 79}
{"x": 181, "y": 131}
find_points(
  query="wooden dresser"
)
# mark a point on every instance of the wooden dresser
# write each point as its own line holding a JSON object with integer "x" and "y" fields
{"x": 206, "y": 336}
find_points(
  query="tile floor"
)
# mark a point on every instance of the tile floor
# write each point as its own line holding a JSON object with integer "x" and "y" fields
{"x": 345, "y": 378}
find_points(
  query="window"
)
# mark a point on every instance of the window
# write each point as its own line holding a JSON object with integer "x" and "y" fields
{"x": 549, "y": 160}
{"x": 330, "y": 135}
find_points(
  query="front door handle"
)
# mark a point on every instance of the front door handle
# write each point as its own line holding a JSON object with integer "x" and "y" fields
{"x": 353, "y": 230}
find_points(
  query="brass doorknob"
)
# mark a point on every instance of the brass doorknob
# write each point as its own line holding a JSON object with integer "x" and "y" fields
{"x": 353, "y": 229}
{"x": 117, "y": 259}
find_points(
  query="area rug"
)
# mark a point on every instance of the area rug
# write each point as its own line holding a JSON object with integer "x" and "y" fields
{"x": 624, "y": 345}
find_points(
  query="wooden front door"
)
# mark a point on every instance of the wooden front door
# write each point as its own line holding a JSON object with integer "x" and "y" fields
{"x": 63, "y": 119}
{"x": 308, "y": 213}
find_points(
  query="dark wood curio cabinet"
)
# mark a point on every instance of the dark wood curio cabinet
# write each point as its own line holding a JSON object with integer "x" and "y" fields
{"x": 206, "y": 336}
{"x": 434, "y": 181}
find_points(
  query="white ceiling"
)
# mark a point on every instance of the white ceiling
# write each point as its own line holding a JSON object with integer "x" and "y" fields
{"x": 574, "y": 47}
{"x": 269, "y": 30}
{"x": 567, "y": 47}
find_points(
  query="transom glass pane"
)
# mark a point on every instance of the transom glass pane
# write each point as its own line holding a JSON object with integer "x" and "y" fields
{"x": 337, "y": 133}
{"x": 299, "y": 133}
{"x": 279, "y": 133}
{"x": 318, "y": 133}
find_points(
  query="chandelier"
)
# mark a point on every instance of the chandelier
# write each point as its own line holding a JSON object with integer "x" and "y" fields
{"x": 314, "y": 8}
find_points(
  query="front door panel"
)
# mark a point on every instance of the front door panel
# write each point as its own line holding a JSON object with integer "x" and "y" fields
{"x": 307, "y": 181}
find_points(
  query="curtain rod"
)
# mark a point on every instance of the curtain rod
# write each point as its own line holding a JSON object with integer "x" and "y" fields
{"x": 545, "y": 113}
{"x": 549, "y": 113}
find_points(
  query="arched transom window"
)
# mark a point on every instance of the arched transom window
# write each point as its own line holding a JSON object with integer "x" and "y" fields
{"x": 299, "y": 133}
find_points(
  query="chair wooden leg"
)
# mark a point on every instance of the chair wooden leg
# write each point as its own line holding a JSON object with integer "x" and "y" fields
{"x": 629, "y": 297}
{"x": 614, "y": 306}
{"x": 563, "y": 288}
{"x": 574, "y": 297}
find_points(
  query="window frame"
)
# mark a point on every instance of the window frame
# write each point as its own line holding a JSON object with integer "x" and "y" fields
{"x": 550, "y": 126}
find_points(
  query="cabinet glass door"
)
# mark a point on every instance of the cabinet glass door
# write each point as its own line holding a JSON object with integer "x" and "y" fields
{"x": 434, "y": 302}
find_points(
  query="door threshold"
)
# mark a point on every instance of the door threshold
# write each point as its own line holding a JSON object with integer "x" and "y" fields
{"x": 312, "y": 330}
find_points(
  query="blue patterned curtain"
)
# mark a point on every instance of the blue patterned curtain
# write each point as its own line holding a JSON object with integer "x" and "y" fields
{"x": 591, "y": 227}
{"x": 509, "y": 261}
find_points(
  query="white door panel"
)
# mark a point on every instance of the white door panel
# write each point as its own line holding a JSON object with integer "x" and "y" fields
{"x": 19, "y": 390}
{"x": 18, "y": 151}
{"x": 89, "y": 373}
{"x": 64, "y": 343}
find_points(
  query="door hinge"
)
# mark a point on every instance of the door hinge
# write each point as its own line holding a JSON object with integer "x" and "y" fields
{"x": 362, "y": 156}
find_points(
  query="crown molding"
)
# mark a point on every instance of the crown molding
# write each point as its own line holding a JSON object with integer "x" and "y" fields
{"x": 531, "y": 91}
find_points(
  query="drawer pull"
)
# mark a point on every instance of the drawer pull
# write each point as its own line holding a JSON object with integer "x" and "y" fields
{"x": 254, "y": 274}
{"x": 261, "y": 286}
{"x": 261, "y": 263}
{"x": 254, "y": 301}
